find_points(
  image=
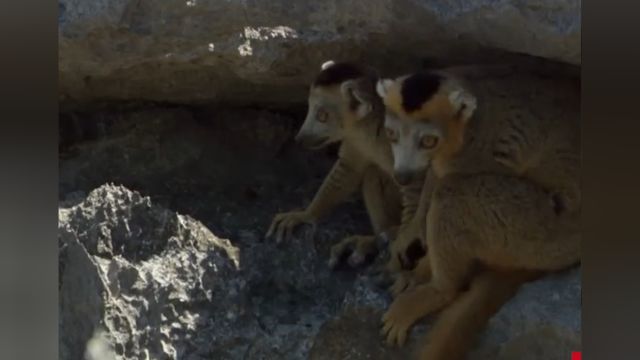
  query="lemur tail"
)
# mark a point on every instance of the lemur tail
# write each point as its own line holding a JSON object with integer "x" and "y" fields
{"x": 456, "y": 329}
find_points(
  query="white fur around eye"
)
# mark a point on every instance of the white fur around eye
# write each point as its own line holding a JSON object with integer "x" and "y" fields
{"x": 327, "y": 64}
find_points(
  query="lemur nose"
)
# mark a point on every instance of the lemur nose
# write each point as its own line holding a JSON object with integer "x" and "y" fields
{"x": 302, "y": 138}
{"x": 403, "y": 177}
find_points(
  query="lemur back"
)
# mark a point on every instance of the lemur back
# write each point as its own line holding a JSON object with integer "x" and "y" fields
{"x": 536, "y": 129}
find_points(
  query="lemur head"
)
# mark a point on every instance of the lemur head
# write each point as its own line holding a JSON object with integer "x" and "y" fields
{"x": 426, "y": 115}
{"x": 341, "y": 96}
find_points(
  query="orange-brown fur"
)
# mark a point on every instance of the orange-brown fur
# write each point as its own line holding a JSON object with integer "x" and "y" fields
{"x": 495, "y": 211}
{"x": 545, "y": 112}
{"x": 365, "y": 162}
{"x": 457, "y": 327}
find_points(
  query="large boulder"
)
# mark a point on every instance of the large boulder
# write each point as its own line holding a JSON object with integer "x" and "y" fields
{"x": 264, "y": 52}
{"x": 139, "y": 281}
{"x": 137, "y": 276}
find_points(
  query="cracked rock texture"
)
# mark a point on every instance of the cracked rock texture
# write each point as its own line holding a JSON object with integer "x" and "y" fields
{"x": 161, "y": 221}
{"x": 147, "y": 282}
{"x": 261, "y": 52}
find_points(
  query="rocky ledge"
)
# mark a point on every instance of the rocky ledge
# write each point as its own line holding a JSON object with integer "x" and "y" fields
{"x": 139, "y": 281}
{"x": 264, "y": 52}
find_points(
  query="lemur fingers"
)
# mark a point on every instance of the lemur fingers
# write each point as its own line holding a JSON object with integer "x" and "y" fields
{"x": 405, "y": 251}
{"x": 284, "y": 224}
{"x": 277, "y": 219}
{"x": 402, "y": 282}
{"x": 338, "y": 251}
{"x": 394, "y": 265}
{"x": 359, "y": 248}
{"x": 408, "y": 308}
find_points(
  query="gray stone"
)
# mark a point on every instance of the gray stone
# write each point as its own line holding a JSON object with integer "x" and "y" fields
{"x": 146, "y": 284}
{"x": 543, "y": 321}
{"x": 153, "y": 283}
{"x": 264, "y": 52}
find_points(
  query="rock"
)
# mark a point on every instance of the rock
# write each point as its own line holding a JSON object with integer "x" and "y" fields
{"x": 141, "y": 275}
{"x": 145, "y": 281}
{"x": 141, "y": 281}
{"x": 249, "y": 52}
{"x": 173, "y": 262}
{"x": 82, "y": 294}
{"x": 543, "y": 321}
{"x": 154, "y": 145}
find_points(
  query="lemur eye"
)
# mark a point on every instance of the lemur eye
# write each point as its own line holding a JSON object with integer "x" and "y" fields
{"x": 392, "y": 135}
{"x": 322, "y": 115}
{"x": 429, "y": 141}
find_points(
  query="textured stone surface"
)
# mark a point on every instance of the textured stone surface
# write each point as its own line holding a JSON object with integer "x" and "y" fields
{"x": 264, "y": 52}
{"x": 161, "y": 285}
{"x": 173, "y": 263}
{"x": 141, "y": 274}
{"x": 541, "y": 322}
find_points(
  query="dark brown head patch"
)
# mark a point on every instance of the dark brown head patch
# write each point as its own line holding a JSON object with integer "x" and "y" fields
{"x": 419, "y": 88}
{"x": 337, "y": 74}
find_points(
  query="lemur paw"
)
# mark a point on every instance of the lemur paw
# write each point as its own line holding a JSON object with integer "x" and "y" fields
{"x": 398, "y": 320}
{"x": 406, "y": 250}
{"x": 284, "y": 223}
{"x": 358, "y": 248}
{"x": 394, "y": 265}
{"x": 404, "y": 282}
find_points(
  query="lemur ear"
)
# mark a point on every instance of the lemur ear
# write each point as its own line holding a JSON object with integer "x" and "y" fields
{"x": 382, "y": 87}
{"x": 359, "y": 99}
{"x": 327, "y": 64}
{"x": 464, "y": 103}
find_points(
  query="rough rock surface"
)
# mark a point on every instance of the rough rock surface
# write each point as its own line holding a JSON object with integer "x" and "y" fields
{"x": 542, "y": 322}
{"x": 141, "y": 274}
{"x": 145, "y": 279}
{"x": 172, "y": 264}
{"x": 150, "y": 283}
{"x": 264, "y": 52}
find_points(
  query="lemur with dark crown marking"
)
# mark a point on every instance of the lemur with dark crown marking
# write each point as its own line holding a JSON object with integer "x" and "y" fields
{"x": 344, "y": 107}
{"x": 505, "y": 207}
